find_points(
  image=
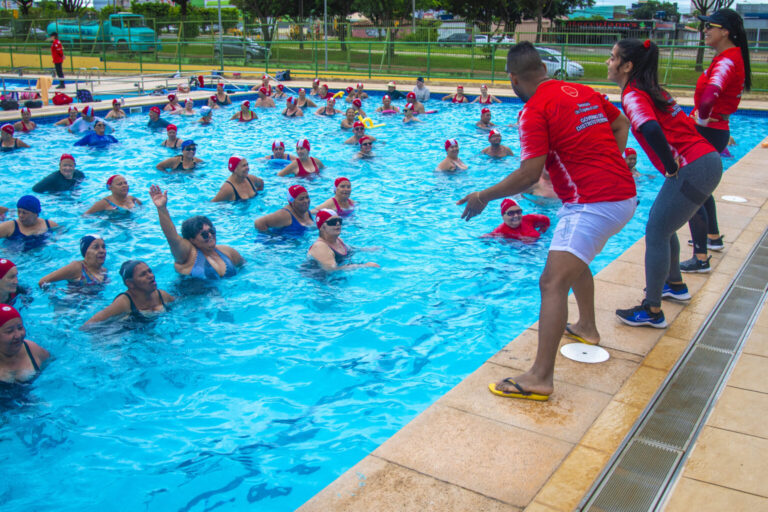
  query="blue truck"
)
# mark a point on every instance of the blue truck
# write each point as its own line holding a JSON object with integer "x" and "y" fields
{"x": 123, "y": 32}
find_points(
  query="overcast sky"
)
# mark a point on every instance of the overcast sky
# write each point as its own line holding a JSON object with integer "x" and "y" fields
{"x": 683, "y": 6}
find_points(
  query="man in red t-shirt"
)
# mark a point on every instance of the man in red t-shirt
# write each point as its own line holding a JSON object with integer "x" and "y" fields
{"x": 579, "y": 135}
{"x": 57, "y": 54}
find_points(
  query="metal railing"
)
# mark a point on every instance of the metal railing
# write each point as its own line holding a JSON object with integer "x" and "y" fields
{"x": 357, "y": 59}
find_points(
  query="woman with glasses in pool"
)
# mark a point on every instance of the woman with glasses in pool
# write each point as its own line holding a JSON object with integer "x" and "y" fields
{"x": 185, "y": 162}
{"x": 358, "y": 131}
{"x": 240, "y": 185}
{"x": 195, "y": 252}
{"x": 117, "y": 111}
{"x": 515, "y": 225}
{"x": 293, "y": 220}
{"x": 366, "y": 148}
{"x": 98, "y": 138}
{"x": 141, "y": 300}
{"x": 119, "y": 200}
{"x": 305, "y": 165}
{"x": 329, "y": 250}
{"x": 340, "y": 202}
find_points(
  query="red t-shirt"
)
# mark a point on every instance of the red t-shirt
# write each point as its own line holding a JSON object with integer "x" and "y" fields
{"x": 530, "y": 228}
{"x": 684, "y": 141}
{"x": 571, "y": 124}
{"x": 726, "y": 72}
{"x": 57, "y": 51}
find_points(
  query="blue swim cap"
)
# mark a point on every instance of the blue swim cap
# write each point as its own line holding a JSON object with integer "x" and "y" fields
{"x": 86, "y": 242}
{"x": 29, "y": 203}
{"x": 188, "y": 142}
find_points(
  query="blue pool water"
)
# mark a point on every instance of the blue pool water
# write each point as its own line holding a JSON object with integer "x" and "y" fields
{"x": 264, "y": 388}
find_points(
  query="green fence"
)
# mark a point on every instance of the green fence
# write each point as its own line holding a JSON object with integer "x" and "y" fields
{"x": 373, "y": 58}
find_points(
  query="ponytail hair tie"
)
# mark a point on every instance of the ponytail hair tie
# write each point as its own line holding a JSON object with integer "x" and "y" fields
{"x": 647, "y": 44}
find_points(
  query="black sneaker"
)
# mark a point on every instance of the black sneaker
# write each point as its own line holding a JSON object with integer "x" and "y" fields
{"x": 642, "y": 315}
{"x": 713, "y": 244}
{"x": 675, "y": 292}
{"x": 695, "y": 265}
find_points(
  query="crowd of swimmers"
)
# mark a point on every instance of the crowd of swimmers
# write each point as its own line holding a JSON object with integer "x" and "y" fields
{"x": 573, "y": 145}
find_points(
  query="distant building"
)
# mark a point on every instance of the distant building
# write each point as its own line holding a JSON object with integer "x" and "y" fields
{"x": 755, "y": 21}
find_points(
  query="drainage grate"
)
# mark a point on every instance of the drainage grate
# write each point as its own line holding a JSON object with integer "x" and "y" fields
{"x": 640, "y": 474}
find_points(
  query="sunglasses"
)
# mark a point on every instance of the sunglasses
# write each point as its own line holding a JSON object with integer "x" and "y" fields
{"x": 336, "y": 221}
{"x": 206, "y": 234}
{"x": 514, "y": 213}
{"x": 367, "y": 144}
{"x": 712, "y": 25}
{"x": 190, "y": 148}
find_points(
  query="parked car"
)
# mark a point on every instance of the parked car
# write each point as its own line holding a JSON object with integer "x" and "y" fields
{"x": 239, "y": 47}
{"x": 498, "y": 39}
{"x": 457, "y": 38}
{"x": 559, "y": 66}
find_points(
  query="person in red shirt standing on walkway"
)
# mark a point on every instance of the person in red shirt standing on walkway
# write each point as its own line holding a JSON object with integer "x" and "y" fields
{"x": 526, "y": 228}
{"x": 717, "y": 96}
{"x": 579, "y": 135}
{"x": 57, "y": 54}
{"x": 689, "y": 163}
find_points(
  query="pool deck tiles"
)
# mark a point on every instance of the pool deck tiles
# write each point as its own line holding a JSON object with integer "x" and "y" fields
{"x": 544, "y": 457}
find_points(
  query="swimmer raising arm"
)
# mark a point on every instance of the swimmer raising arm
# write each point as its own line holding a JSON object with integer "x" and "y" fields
{"x": 185, "y": 250}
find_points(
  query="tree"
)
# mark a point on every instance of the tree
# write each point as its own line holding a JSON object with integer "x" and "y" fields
{"x": 550, "y": 9}
{"x": 705, "y": 8}
{"x": 267, "y": 13}
{"x": 24, "y": 6}
{"x": 71, "y": 6}
{"x": 648, "y": 10}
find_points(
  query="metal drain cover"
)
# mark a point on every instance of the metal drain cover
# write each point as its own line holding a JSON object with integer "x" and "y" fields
{"x": 584, "y": 353}
{"x": 734, "y": 199}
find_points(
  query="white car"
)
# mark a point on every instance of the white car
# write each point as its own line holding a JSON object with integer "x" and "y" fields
{"x": 559, "y": 66}
{"x": 500, "y": 39}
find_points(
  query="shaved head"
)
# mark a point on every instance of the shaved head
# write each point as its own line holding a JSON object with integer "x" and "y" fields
{"x": 524, "y": 61}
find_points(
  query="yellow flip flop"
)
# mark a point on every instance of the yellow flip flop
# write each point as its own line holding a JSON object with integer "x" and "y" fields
{"x": 520, "y": 393}
{"x": 575, "y": 337}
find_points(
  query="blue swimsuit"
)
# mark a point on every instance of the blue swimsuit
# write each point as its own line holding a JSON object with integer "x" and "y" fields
{"x": 203, "y": 270}
{"x": 294, "y": 228}
{"x": 30, "y": 241}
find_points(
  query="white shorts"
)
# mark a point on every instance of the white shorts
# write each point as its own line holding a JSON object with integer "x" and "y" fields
{"x": 583, "y": 229}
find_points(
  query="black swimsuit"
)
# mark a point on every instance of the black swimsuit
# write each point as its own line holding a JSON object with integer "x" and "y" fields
{"x": 31, "y": 358}
{"x": 237, "y": 196}
{"x": 181, "y": 167}
{"x": 136, "y": 312}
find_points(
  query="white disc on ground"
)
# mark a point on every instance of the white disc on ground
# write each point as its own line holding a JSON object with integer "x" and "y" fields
{"x": 584, "y": 353}
{"x": 734, "y": 199}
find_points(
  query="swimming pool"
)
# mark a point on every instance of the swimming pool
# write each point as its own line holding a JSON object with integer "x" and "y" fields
{"x": 262, "y": 389}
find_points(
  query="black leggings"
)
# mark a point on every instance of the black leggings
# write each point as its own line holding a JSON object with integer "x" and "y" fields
{"x": 705, "y": 220}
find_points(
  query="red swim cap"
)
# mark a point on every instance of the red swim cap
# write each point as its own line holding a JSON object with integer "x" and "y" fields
{"x": 8, "y": 128}
{"x": 277, "y": 144}
{"x": 507, "y": 204}
{"x": 336, "y": 184}
{"x": 156, "y": 110}
{"x": 66, "y": 156}
{"x": 323, "y": 215}
{"x": 294, "y": 191}
{"x": 111, "y": 179}
{"x": 359, "y": 85}
{"x": 410, "y": 96}
{"x": 6, "y": 265}
{"x": 73, "y": 108}
{"x": 303, "y": 143}
{"x": 316, "y": 81}
{"x": 280, "y": 87}
{"x": 451, "y": 142}
{"x": 349, "y": 89}
{"x": 7, "y": 313}
{"x": 171, "y": 127}
{"x": 356, "y": 102}
{"x": 234, "y": 161}
{"x": 214, "y": 98}
{"x": 629, "y": 151}
{"x": 494, "y": 132}
{"x": 263, "y": 90}
{"x": 115, "y": 102}
{"x": 358, "y": 124}
{"x": 88, "y": 111}
{"x": 246, "y": 103}
{"x": 486, "y": 109}
{"x": 171, "y": 97}
{"x": 386, "y": 96}
{"x": 460, "y": 87}
{"x": 409, "y": 106}
{"x": 363, "y": 139}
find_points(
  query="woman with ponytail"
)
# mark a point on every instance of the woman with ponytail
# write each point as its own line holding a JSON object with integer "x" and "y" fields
{"x": 689, "y": 163}
{"x": 717, "y": 96}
